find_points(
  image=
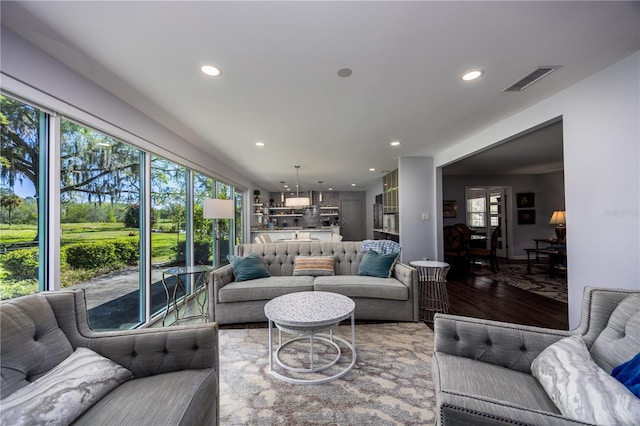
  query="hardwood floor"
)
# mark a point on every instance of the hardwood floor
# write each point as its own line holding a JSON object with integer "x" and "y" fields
{"x": 482, "y": 297}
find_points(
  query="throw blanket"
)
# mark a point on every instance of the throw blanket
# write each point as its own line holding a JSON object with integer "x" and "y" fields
{"x": 629, "y": 374}
{"x": 380, "y": 246}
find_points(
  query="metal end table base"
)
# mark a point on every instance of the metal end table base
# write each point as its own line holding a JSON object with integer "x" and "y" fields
{"x": 329, "y": 339}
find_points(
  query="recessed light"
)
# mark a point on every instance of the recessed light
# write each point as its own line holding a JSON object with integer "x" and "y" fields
{"x": 260, "y": 144}
{"x": 211, "y": 70}
{"x": 472, "y": 75}
{"x": 345, "y": 72}
{"x": 372, "y": 169}
{"x": 395, "y": 143}
{"x": 353, "y": 184}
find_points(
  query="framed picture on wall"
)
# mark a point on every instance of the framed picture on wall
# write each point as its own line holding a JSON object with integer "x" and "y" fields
{"x": 526, "y": 217}
{"x": 525, "y": 200}
{"x": 450, "y": 209}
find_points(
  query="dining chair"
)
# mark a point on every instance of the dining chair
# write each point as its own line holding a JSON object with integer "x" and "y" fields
{"x": 489, "y": 253}
{"x": 455, "y": 247}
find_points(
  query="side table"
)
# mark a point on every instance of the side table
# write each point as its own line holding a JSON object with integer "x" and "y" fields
{"x": 432, "y": 277}
{"x": 178, "y": 296}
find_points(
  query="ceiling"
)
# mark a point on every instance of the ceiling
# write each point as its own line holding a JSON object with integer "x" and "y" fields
{"x": 279, "y": 81}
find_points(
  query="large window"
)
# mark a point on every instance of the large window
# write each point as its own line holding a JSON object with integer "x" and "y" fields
{"x": 100, "y": 215}
{"x": 120, "y": 215}
{"x": 23, "y": 141}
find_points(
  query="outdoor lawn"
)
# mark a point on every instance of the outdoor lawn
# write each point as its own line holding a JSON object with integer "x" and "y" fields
{"x": 163, "y": 252}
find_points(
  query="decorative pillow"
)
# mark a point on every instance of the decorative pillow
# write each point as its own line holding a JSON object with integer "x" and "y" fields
{"x": 628, "y": 374}
{"x": 65, "y": 392}
{"x": 314, "y": 265}
{"x": 580, "y": 388}
{"x": 377, "y": 265}
{"x": 248, "y": 268}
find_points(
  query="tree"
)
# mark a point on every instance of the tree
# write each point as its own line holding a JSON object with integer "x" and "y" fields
{"x": 10, "y": 201}
{"x": 94, "y": 167}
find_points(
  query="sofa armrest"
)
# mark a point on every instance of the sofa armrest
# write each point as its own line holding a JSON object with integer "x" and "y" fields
{"x": 408, "y": 275}
{"x": 145, "y": 352}
{"x": 218, "y": 279}
{"x": 508, "y": 345}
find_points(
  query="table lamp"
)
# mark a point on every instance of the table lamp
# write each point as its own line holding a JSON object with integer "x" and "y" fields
{"x": 216, "y": 208}
{"x": 559, "y": 219}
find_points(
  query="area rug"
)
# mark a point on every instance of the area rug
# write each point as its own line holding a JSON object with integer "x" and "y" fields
{"x": 390, "y": 383}
{"x": 538, "y": 281}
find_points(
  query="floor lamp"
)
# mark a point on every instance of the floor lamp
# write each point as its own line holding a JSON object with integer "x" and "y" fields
{"x": 216, "y": 208}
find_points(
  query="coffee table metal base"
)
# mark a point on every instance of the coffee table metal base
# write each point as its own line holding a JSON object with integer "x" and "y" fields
{"x": 312, "y": 337}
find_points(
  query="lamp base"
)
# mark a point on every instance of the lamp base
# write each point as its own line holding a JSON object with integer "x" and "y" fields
{"x": 561, "y": 233}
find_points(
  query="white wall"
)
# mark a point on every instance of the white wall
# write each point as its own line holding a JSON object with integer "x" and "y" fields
{"x": 416, "y": 183}
{"x": 602, "y": 174}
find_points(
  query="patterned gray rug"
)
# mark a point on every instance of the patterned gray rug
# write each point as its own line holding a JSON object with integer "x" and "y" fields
{"x": 538, "y": 281}
{"x": 390, "y": 383}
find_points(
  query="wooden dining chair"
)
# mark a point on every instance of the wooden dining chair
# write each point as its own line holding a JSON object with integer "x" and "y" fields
{"x": 455, "y": 248}
{"x": 489, "y": 253}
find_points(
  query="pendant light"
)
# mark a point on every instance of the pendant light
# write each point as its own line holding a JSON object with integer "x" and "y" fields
{"x": 297, "y": 201}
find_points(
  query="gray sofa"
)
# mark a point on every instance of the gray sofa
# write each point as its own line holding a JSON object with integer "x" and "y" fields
{"x": 482, "y": 370}
{"x": 392, "y": 299}
{"x": 174, "y": 370}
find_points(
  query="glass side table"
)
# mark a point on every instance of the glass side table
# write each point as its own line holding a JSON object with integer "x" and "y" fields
{"x": 432, "y": 277}
{"x": 178, "y": 296}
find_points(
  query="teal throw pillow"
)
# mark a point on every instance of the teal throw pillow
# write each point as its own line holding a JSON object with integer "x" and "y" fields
{"x": 248, "y": 268}
{"x": 378, "y": 265}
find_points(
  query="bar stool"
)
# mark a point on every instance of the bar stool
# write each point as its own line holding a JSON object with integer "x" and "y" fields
{"x": 433, "y": 297}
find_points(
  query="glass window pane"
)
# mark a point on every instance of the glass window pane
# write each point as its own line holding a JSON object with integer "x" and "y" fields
{"x": 100, "y": 244}
{"x": 168, "y": 227}
{"x": 20, "y": 177}
{"x": 204, "y": 187}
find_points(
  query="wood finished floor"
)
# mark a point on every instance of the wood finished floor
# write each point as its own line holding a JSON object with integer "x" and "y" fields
{"x": 482, "y": 297}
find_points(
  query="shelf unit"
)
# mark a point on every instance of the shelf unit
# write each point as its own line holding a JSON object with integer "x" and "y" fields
{"x": 390, "y": 192}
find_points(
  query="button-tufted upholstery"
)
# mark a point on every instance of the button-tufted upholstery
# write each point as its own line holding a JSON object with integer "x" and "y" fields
{"x": 41, "y": 330}
{"x": 393, "y": 298}
{"x": 482, "y": 369}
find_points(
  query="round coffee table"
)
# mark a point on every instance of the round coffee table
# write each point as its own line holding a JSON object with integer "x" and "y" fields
{"x": 309, "y": 315}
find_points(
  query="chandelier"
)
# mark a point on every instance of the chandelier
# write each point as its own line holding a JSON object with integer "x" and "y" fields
{"x": 297, "y": 201}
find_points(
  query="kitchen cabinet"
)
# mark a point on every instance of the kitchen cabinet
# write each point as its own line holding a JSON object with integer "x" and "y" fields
{"x": 390, "y": 189}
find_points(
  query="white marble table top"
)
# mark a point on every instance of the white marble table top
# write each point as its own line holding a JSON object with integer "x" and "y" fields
{"x": 309, "y": 308}
{"x": 428, "y": 264}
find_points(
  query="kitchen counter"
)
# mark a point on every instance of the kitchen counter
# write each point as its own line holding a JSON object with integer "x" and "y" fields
{"x": 323, "y": 234}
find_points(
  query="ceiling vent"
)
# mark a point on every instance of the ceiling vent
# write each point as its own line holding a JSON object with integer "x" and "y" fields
{"x": 535, "y": 75}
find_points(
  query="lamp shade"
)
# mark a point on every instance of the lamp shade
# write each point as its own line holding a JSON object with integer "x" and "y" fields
{"x": 215, "y": 208}
{"x": 297, "y": 202}
{"x": 558, "y": 218}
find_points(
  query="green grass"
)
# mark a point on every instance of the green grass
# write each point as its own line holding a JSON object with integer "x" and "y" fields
{"x": 17, "y": 233}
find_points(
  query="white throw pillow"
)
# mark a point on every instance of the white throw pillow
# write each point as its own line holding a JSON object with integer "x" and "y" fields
{"x": 580, "y": 388}
{"x": 65, "y": 392}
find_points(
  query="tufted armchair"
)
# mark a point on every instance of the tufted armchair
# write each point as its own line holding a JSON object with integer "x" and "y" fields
{"x": 482, "y": 370}
{"x": 175, "y": 370}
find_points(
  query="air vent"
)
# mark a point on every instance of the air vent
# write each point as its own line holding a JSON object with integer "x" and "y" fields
{"x": 531, "y": 78}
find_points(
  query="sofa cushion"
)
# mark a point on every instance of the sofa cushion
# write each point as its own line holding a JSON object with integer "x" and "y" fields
{"x": 248, "y": 268}
{"x": 580, "y": 388}
{"x": 31, "y": 342}
{"x": 620, "y": 339}
{"x": 313, "y": 265}
{"x": 184, "y": 397}
{"x": 378, "y": 265}
{"x": 263, "y": 288}
{"x": 467, "y": 383}
{"x": 363, "y": 287}
{"x": 65, "y": 392}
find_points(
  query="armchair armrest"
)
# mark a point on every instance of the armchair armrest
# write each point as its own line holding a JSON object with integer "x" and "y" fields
{"x": 146, "y": 351}
{"x": 507, "y": 345}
